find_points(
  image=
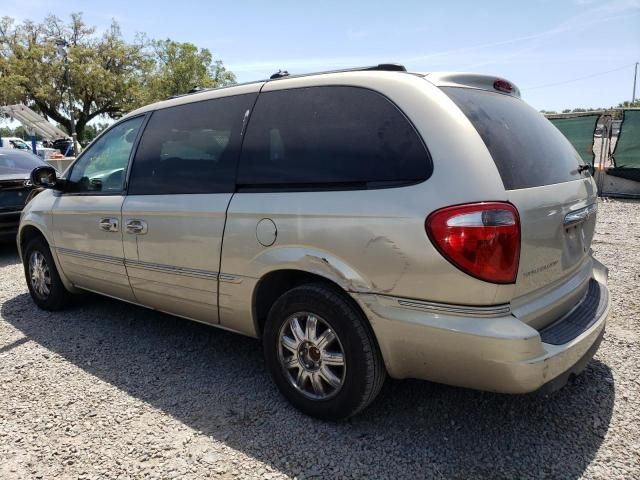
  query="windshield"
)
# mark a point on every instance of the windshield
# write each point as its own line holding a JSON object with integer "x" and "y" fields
{"x": 15, "y": 161}
{"x": 19, "y": 144}
{"x": 527, "y": 149}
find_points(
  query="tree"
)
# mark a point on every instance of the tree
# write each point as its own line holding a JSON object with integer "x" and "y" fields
{"x": 628, "y": 104}
{"x": 109, "y": 76}
{"x": 91, "y": 131}
{"x": 180, "y": 67}
{"x": 19, "y": 131}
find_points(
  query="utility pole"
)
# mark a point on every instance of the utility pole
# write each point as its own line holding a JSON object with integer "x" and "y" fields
{"x": 635, "y": 77}
{"x": 62, "y": 51}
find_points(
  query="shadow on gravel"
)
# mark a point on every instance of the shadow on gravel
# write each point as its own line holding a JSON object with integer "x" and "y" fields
{"x": 8, "y": 254}
{"x": 215, "y": 382}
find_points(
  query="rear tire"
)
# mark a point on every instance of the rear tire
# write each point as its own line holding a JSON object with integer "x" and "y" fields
{"x": 331, "y": 368}
{"x": 46, "y": 289}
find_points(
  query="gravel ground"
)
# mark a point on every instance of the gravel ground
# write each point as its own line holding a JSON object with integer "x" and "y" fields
{"x": 109, "y": 390}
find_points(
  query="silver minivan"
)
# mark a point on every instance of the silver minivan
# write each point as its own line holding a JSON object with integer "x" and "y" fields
{"x": 361, "y": 223}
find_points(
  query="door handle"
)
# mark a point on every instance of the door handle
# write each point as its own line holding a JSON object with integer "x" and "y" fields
{"x": 109, "y": 224}
{"x": 137, "y": 227}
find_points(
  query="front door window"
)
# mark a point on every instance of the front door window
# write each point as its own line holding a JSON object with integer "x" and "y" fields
{"x": 102, "y": 167}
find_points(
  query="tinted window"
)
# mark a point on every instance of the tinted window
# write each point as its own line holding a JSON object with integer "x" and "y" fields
{"x": 323, "y": 136}
{"x": 527, "y": 149}
{"x": 102, "y": 166}
{"x": 190, "y": 148}
{"x": 15, "y": 161}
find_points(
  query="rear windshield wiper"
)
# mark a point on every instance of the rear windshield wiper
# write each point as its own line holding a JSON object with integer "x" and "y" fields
{"x": 582, "y": 168}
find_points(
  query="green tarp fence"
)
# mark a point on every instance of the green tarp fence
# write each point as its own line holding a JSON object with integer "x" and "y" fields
{"x": 579, "y": 131}
{"x": 627, "y": 149}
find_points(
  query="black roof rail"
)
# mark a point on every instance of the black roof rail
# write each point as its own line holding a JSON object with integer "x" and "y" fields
{"x": 386, "y": 67}
{"x": 381, "y": 67}
{"x": 194, "y": 89}
{"x": 279, "y": 74}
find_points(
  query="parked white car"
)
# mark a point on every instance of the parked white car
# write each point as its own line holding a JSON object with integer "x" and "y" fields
{"x": 15, "y": 142}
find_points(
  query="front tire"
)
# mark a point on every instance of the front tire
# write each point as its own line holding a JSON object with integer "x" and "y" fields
{"x": 322, "y": 353}
{"x": 46, "y": 289}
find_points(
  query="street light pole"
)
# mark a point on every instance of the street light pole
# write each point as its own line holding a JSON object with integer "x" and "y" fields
{"x": 635, "y": 77}
{"x": 62, "y": 50}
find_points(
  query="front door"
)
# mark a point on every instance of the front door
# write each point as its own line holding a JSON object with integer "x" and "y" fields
{"x": 87, "y": 217}
{"x": 182, "y": 179}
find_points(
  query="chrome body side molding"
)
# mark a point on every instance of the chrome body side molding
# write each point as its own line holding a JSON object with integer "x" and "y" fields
{"x": 191, "y": 272}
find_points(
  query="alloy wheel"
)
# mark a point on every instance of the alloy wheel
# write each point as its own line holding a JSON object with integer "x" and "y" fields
{"x": 312, "y": 356}
{"x": 39, "y": 274}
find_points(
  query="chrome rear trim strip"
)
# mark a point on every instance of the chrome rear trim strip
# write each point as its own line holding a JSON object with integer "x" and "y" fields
{"x": 444, "y": 308}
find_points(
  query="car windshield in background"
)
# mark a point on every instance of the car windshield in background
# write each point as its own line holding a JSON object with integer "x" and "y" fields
{"x": 15, "y": 161}
{"x": 19, "y": 144}
{"x": 527, "y": 149}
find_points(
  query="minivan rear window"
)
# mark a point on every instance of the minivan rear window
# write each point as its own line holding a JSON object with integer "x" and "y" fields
{"x": 330, "y": 137}
{"x": 526, "y": 148}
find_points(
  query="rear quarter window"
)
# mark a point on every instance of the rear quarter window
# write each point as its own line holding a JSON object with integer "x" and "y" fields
{"x": 526, "y": 148}
{"x": 336, "y": 136}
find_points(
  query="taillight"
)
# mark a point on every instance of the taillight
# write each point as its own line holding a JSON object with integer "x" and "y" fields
{"x": 481, "y": 239}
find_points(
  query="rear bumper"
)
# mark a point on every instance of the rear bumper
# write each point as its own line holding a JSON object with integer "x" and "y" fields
{"x": 494, "y": 353}
{"x": 562, "y": 379}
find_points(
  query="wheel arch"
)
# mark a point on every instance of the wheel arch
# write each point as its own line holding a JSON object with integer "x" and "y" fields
{"x": 26, "y": 234}
{"x": 275, "y": 283}
{"x": 28, "y": 231}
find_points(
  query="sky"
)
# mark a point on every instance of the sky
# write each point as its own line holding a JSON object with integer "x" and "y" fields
{"x": 561, "y": 53}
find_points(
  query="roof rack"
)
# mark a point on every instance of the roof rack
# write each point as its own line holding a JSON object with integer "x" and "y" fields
{"x": 194, "y": 89}
{"x": 386, "y": 67}
{"x": 381, "y": 67}
{"x": 198, "y": 89}
{"x": 280, "y": 74}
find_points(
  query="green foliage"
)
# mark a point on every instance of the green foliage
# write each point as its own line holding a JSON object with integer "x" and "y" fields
{"x": 19, "y": 132}
{"x": 615, "y": 114}
{"x": 91, "y": 131}
{"x": 180, "y": 67}
{"x": 108, "y": 75}
{"x": 628, "y": 104}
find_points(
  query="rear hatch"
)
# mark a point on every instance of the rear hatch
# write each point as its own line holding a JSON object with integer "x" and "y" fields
{"x": 546, "y": 180}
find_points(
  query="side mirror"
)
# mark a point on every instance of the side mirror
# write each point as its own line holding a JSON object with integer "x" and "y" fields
{"x": 45, "y": 177}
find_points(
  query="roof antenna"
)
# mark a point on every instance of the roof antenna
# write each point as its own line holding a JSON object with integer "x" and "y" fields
{"x": 279, "y": 74}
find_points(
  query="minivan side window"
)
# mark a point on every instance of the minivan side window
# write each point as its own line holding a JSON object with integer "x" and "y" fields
{"x": 102, "y": 167}
{"x": 190, "y": 148}
{"x": 330, "y": 137}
